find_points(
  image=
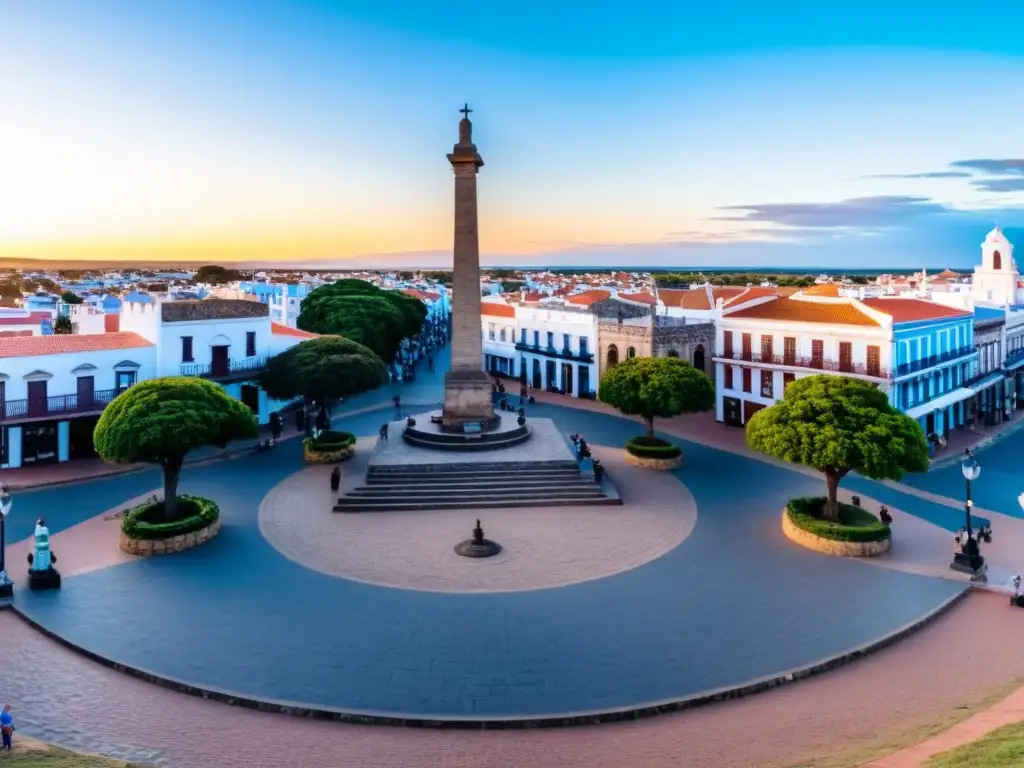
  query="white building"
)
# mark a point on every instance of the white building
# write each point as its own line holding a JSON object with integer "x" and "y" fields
{"x": 997, "y": 281}
{"x": 21, "y": 322}
{"x": 499, "y": 329}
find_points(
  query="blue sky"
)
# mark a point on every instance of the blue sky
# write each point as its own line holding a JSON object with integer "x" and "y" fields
{"x": 644, "y": 133}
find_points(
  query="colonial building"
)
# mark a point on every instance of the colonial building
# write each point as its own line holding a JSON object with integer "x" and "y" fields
{"x": 632, "y": 329}
{"x": 556, "y": 345}
{"x": 499, "y": 328}
{"x": 996, "y": 280}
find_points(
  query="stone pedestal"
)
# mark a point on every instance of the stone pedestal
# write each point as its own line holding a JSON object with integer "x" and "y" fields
{"x": 41, "y": 580}
{"x": 467, "y": 398}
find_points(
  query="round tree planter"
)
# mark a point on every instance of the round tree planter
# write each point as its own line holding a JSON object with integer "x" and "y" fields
{"x": 147, "y": 547}
{"x": 831, "y": 546}
{"x": 327, "y": 457}
{"x": 660, "y": 464}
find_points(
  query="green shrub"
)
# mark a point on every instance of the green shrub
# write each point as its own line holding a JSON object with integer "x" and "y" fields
{"x": 855, "y": 524}
{"x": 331, "y": 440}
{"x": 653, "y": 448}
{"x": 145, "y": 521}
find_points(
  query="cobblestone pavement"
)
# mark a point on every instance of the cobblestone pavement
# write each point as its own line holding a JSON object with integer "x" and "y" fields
{"x": 541, "y": 547}
{"x": 953, "y": 663}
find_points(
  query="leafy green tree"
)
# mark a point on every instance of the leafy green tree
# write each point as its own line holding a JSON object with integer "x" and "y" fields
{"x": 62, "y": 325}
{"x": 323, "y": 369}
{"x": 71, "y": 298}
{"x": 211, "y": 274}
{"x": 364, "y": 313}
{"x": 161, "y": 420}
{"x": 838, "y": 425}
{"x": 656, "y": 387}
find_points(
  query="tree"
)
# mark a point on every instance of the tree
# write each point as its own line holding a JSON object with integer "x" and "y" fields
{"x": 839, "y": 425}
{"x": 62, "y": 325}
{"x": 211, "y": 274}
{"x": 71, "y": 298}
{"x": 656, "y": 387}
{"x": 161, "y": 420}
{"x": 364, "y": 313}
{"x": 323, "y": 369}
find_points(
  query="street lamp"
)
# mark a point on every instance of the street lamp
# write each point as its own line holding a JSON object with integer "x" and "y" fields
{"x": 6, "y": 502}
{"x": 969, "y": 559}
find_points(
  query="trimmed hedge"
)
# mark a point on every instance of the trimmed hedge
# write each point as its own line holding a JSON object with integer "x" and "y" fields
{"x": 146, "y": 520}
{"x": 653, "y": 448}
{"x": 331, "y": 440}
{"x": 855, "y": 524}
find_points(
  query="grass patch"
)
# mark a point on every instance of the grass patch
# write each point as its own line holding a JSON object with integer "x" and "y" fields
{"x": 29, "y": 753}
{"x": 653, "y": 448}
{"x": 332, "y": 440}
{"x": 855, "y": 524}
{"x": 1002, "y": 748}
{"x": 146, "y": 521}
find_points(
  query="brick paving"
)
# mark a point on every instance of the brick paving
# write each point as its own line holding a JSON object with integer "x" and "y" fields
{"x": 541, "y": 548}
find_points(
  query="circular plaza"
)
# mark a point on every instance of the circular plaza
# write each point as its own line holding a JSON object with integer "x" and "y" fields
{"x": 685, "y": 590}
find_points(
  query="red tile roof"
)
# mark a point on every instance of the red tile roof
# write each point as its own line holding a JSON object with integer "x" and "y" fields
{"x": 913, "y": 310}
{"x": 640, "y": 298}
{"x": 825, "y": 289}
{"x": 33, "y": 318}
{"x": 587, "y": 298}
{"x": 59, "y": 344}
{"x": 495, "y": 309}
{"x": 421, "y": 295}
{"x": 796, "y": 311}
{"x": 284, "y": 330}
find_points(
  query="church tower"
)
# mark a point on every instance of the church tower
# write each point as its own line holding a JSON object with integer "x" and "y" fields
{"x": 996, "y": 280}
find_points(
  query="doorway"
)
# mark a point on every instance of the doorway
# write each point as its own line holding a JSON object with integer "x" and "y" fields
{"x": 39, "y": 442}
{"x": 536, "y": 374}
{"x": 219, "y": 363}
{"x": 80, "y": 433}
{"x": 86, "y": 391}
{"x": 567, "y": 378}
{"x": 37, "y": 398}
{"x": 251, "y": 397}
{"x": 732, "y": 416}
{"x": 552, "y": 373}
{"x": 584, "y": 381}
{"x": 698, "y": 358}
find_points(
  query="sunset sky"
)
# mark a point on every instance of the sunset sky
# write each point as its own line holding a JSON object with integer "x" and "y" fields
{"x": 626, "y": 133}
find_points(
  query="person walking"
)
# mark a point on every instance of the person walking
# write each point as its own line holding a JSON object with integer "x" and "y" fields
{"x": 7, "y": 726}
{"x": 384, "y": 432}
{"x": 398, "y": 404}
{"x": 275, "y": 426}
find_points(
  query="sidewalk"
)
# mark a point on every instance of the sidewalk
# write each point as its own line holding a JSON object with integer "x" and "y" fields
{"x": 973, "y": 440}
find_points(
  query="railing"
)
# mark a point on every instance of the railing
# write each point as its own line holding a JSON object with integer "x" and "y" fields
{"x": 568, "y": 354}
{"x": 57, "y": 405}
{"x": 932, "y": 360}
{"x": 1015, "y": 355}
{"x": 224, "y": 370}
{"x": 817, "y": 363}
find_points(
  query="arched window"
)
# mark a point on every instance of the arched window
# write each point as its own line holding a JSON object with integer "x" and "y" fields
{"x": 698, "y": 357}
{"x": 613, "y": 355}
{"x": 673, "y": 353}
{"x": 997, "y": 260}
{"x": 630, "y": 353}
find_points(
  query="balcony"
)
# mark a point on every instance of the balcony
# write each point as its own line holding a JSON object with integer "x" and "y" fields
{"x": 56, "y": 406}
{"x": 1014, "y": 357}
{"x": 225, "y": 369}
{"x": 903, "y": 369}
{"x": 815, "y": 363}
{"x": 565, "y": 353}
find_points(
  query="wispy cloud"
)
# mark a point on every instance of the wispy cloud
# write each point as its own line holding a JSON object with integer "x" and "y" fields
{"x": 878, "y": 212}
{"x": 1004, "y": 185}
{"x": 924, "y": 175}
{"x": 992, "y": 167}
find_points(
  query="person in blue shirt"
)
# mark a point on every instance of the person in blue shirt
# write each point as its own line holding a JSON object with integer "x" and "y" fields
{"x": 6, "y": 726}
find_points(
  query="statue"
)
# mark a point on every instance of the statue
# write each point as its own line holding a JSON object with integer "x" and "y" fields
{"x": 41, "y": 573}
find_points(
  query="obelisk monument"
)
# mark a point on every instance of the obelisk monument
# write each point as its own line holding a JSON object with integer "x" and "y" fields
{"x": 467, "y": 389}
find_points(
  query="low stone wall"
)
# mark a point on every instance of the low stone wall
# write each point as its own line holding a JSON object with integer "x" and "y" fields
{"x": 327, "y": 457}
{"x": 831, "y": 546}
{"x": 661, "y": 464}
{"x": 147, "y": 547}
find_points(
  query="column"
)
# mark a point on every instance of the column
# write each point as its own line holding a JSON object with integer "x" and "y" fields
{"x": 63, "y": 440}
{"x": 14, "y": 447}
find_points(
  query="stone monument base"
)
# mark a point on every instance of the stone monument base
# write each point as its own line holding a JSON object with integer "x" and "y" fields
{"x": 467, "y": 399}
{"x": 473, "y": 548}
{"x": 42, "y": 580}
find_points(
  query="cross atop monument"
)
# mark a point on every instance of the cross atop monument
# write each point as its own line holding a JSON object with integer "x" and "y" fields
{"x": 465, "y": 111}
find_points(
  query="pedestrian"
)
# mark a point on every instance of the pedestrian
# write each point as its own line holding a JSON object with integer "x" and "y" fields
{"x": 336, "y": 478}
{"x": 398, "y": 403}
{"x": 7, "y": 726}
{"x": 275, "y": 426}
{"x": 384, "y": 432}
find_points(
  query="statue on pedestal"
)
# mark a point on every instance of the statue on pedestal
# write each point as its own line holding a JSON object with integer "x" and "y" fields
{"x": 41, "y": 573}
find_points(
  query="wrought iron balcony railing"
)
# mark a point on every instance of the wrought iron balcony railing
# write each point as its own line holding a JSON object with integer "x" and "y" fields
{"x": 818, "y": 363}
{"x": 56, "y": 405}
{"x": 227, "y": 369}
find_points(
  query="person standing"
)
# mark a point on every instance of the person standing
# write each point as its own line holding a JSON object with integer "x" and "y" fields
{"x": 7, "y": 726}
{"x": 384, "y": 432}
{"x": 275, "y": 426}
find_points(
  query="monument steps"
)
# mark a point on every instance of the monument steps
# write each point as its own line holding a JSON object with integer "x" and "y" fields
{"x": 475, "y": 503}
{"x": 582, "y": 489}
{"x": 481, "y": 467}
{"x": 471, "y": 477}
{"x": 426, "y": 485}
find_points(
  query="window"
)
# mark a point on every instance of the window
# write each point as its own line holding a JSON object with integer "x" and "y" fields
{"x": 748, "y": 344}
{"x": 490, "y": 331}
{"x": 997, "y": 260}
{"x": 845, "y": 356}
{"x": 789, "y": 350}
{"x": 536, "y": 338}
{"x": 565, "y": 341}
{"x": 583, "y": 345}
{"x": 787, "y": 379}
{"x": 250, "y": 343}
{"x": 767, "y": 348}
{"x": 728, "y": 377}
{"x": 746, "y": 379}
{"x": 501, "y": 334}
{"x": 766, "y": 383}
{"x": 522, "y": 336}
{"x": 630, "y": 353}
{"x": 186, "y": 349}
{"x": 551, "y": 340}
{"x": 874, "y": 361}
{"x": 817, "y": 354}
{"x": 124, "y": 379}
{"x": 727, "y": 341}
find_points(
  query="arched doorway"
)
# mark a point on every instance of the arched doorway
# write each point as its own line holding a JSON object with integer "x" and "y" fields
{"x": 673, "y": 353}
{"x": 613, "y": 355}
{"x": 698, "y": 357}
{"x": 997, "y": 260}
{"x": 630, "y": 353}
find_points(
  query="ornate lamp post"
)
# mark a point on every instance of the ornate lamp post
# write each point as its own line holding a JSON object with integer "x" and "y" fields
{"x": 6, "y": 502}
{"x": 969, "y": 559}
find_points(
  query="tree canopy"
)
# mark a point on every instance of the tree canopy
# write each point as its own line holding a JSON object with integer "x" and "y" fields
{"x": 323, "y": 369}
{"x": 71, "y": 298}
{"x": 838, "y": 425}
{"x": 656, "y": 387}
{"x": 62, "y": 325}
{"x": 364, "y": 313}
{"x": 161, "y": 420}
{"x": 212, "y": 274}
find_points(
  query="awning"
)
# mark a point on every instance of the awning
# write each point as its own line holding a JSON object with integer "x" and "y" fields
{"x": 988, "y": 381}
{"x": 944, "y": 401}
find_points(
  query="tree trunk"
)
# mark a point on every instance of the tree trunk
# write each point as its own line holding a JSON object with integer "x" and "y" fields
{"x": 650, "y": 427}
{"x": 831, "y": 511}
{"x": 172, "y": 471}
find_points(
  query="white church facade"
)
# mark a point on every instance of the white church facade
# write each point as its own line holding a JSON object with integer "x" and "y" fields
{"x": 996, "y": 281}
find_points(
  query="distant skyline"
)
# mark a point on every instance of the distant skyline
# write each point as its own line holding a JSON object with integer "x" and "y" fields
{"x": 650, "y": 133}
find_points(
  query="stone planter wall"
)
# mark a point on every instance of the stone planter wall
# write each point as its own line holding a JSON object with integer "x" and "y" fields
{"x": 328, "y": 457}
{"x": 660, "y": 464}
{"x": 831, "y": 546}
{"x": 147, "y": 547}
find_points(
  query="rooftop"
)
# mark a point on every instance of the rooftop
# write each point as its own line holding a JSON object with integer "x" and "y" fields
{"x": 495, "y": 309}
{"x": 587, "y": 298}
{"x": 60, "y": 344}
{"x": 796, "y": 311}
{"x": 913, "y": 310}
{"x": 212, "y": 309}
{"x": 284, "y": 330}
